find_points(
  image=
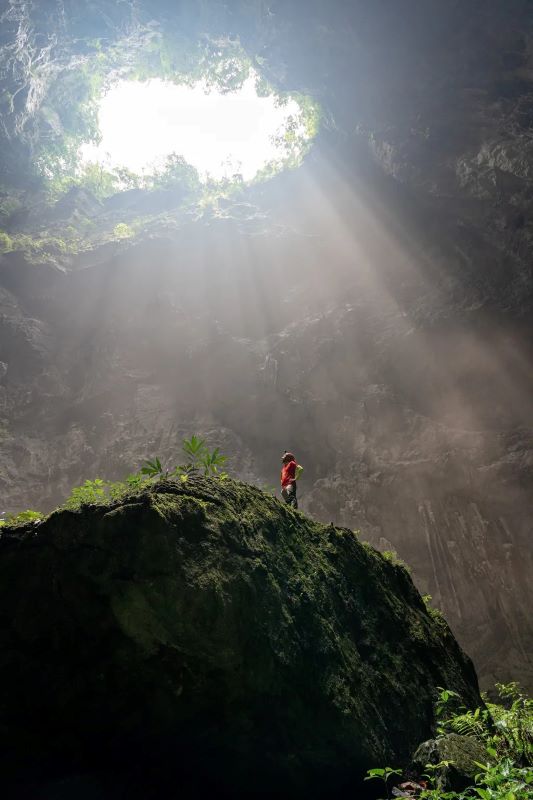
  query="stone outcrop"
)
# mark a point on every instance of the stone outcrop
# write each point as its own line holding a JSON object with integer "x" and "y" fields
{"x": 207, "y": 634}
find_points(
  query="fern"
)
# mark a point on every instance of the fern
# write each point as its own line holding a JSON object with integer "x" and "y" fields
{"x": 506, "y": 731}
{"x": 471, "y": 723}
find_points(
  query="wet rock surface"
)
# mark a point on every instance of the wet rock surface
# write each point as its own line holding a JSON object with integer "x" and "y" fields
{"x": 207, "y": 636}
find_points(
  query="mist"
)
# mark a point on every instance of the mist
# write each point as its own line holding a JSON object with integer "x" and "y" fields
{"x": 369, "y": 310}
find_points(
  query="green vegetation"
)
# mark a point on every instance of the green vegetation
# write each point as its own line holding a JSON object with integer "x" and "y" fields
{"x": 22, "y": 518}
{"x": 383, "y": 774}
{"x": 98, "y": 491}
{"x": 68, "y": 118}
{"x": 123, "y": 231}
{"x": 394, "y": 558}
{"x": 62, "y": 174}
{"x": 199, "y": 460}
{"x": 504, "y": 729}
{"x": 221, "y": 63}
{"x": 46, "y": 248}
{"x": 8, "y": 205}
{"x": 6, "y": 242}
{"x": 435, "y": 613}
{"x": 72, "y": 111}
{"x": 295, "y": 140}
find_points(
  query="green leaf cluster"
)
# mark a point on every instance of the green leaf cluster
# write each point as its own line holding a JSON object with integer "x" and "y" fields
{"x": 394, "y": 558}
{"x": 22, "y": 518}
{"x": 96, "y": 491}
{"x": 383, "y": 774}
{"x": 198, "y": 460}
{"x": 45, "y": 247}
{"x": 504, "y": 728}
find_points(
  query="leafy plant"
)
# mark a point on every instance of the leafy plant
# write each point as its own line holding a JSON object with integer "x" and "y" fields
{"x": 443, "y": 700}
{"x": 193, "y": 447}
{"x": 100, "y": 491}
{"x": 503, "y": 780}
{"x": 175, "y": 173}
{"x": 8, "y": 205}
{"x": 513, "y": 721}
{"x": 212, "y": 461}
{"x": 22, "y": 518}
{"x": 135, "y": 480}
{"x": 470, "y": 723}
{"x": 90, "y": 492}
{"x": 394, "y": 558}
{"x": 382, "y": 773}
{"x": 506, "y": 731}
{"x": 199, "y": 458}
{"x": 269, "y": 489}
{"x": 506, "y": 728}
{"x": 152, "y": 468}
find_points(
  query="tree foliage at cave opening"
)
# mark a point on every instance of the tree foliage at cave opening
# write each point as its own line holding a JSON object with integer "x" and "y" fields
{"x": 60, "y": 88}
{"x": 69, "y": 117}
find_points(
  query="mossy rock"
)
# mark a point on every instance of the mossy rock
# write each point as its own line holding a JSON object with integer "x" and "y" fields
{"x": 461, "y": 751}
{"x": 205, "y": 635}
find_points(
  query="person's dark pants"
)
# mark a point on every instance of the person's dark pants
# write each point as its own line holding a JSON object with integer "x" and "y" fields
{"x": 289, "y": 495}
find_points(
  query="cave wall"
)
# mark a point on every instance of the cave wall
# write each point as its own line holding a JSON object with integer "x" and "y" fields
{"x": 371, "y": 311}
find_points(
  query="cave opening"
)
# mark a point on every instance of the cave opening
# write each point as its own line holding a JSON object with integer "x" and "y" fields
{"x": 130, "y": 136}
{"x": 171, "y": 114}
{"x": 135, "y": 134}
{"x": 146, "y": 127}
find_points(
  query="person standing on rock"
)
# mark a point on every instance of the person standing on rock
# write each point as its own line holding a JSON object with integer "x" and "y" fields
{"x": 290, "y": 472}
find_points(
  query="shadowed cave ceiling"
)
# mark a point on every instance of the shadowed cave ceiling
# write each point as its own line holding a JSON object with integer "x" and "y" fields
{"x": 370, "y": 310}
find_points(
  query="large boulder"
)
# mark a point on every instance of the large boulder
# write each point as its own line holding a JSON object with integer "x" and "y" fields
{"x": 205, "y": 636}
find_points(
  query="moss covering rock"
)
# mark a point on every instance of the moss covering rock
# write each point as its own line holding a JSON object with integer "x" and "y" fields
{"x": 458, "y": 756}
{"x": 204, "y": 635}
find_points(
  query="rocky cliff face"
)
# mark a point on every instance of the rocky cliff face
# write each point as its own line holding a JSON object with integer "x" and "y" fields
{"x": 371, "y": 311}
{"x": 203, "y": 635}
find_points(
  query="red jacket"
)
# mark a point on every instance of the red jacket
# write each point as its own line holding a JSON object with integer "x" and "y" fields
{"x": 288, "y": 474}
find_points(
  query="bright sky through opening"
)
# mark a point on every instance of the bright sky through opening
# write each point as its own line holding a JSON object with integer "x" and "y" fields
{"x": 219, "y": 134}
